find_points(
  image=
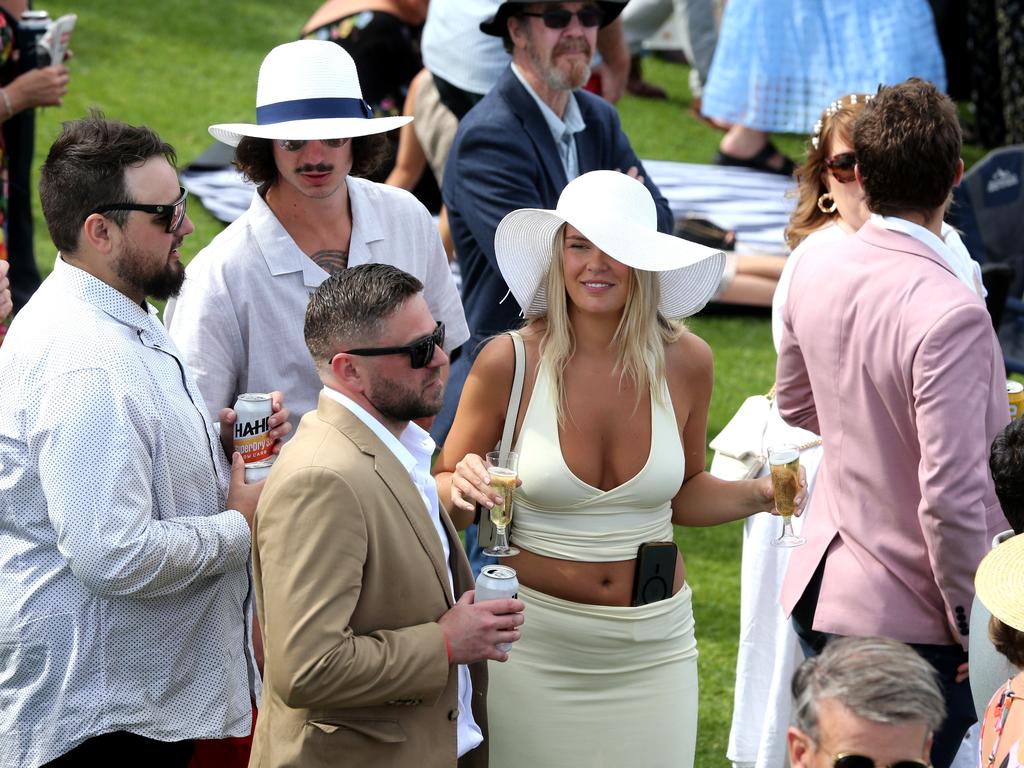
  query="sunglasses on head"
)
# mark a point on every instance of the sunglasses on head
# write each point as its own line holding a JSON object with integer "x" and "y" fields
{"x": 559, "y": 18}
{"x": 171, "y": 214}
{"x": 294, "y": 145}
{"x": 860, "y": 761}
{"x": 841, "y": 167}
{"x": 420, "y": 352}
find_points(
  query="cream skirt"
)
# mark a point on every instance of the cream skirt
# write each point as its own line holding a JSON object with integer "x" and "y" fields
{"x": 597, "y": 686}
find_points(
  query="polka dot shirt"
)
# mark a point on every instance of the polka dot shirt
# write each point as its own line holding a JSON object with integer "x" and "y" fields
{"x": 124, "y": 582}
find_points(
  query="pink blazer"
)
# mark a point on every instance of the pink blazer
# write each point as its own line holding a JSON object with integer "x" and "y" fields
{"x": 893, "y": 361}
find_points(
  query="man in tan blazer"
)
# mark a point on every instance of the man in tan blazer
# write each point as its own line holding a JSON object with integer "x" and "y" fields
{"x": 369, "y": 658}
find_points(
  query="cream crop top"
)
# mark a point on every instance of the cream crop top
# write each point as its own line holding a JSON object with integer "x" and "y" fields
{"x": 558, "y": 515}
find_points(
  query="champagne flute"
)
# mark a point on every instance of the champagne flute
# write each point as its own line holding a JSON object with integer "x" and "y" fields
{"x": 784, "y": 462}
{"x": 503, "y": 468}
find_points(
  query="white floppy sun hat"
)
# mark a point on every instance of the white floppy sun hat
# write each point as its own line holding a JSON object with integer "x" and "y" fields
{"x": 617, "y": 214}
{"x": 308, "y": 90}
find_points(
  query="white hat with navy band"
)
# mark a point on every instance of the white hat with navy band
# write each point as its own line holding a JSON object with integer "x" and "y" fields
{"x": 617, "y": 214}
{"x": 308, "y": 89}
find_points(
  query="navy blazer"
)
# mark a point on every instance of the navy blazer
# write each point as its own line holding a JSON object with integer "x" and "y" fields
{"x": 504, "y": 158}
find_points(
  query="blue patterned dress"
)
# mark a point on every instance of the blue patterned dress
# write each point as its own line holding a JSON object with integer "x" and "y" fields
{"x": 779, "y": 63}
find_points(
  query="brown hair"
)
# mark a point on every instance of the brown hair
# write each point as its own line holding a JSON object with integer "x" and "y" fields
{"x": 85, "y": 170}
{"x": 836, "y": 122}
{"x": 908, "y": 144}
{"x": 1008, "y": 641}
{"x": 255, "y": 158}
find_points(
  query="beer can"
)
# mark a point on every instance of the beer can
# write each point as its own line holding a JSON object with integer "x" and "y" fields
{"x": 1015, "y": 394}
{"x": 252, "y": 427}
{"x": 494, "y": 583}
{"x": 31, "y": 27}
{"x": 258, "y": 470}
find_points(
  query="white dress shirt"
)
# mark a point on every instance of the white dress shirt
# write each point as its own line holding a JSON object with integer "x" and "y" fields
{"x": 238, "y": 321}
{"x": 125, "y": 586}
{"x": 414, "y": 450}
{"x": 454, "y": 48}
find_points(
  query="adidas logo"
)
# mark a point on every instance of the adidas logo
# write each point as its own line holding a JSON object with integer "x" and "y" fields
{"x": 1001, "y": 179}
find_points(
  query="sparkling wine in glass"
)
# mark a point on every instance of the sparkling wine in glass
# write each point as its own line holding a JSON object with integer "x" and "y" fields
{"x": 784, "y": 462}
{"x": 503, "y": 468}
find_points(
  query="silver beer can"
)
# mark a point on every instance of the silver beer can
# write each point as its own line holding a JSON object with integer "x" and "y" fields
{"x": 252, "y": 427}
{"x": 494, "y": 583}
{"x": 258, "y": 470}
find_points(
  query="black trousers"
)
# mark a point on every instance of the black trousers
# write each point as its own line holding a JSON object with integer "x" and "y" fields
{"x": 960, "y": 713}
{"x": 113, "y": 750}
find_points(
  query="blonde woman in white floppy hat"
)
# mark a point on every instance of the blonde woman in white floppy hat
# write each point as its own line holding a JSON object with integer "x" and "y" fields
{"x": 611, "y": 438}
{"x": 238, "y": 320}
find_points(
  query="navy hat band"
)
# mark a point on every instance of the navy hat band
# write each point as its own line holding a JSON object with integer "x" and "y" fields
{"x": 312, "y": 109}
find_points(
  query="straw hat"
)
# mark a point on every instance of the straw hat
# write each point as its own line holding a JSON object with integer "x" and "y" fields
{"x": 617, "y": 214}
{"x": 999, "y": 582}
{"x": 308, "y": 90}
{"x": 497, "y": 25}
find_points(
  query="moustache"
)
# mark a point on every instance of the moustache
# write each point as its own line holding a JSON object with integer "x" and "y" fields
{"x": 318, "y": 168}
{"x": 573, "y": 45}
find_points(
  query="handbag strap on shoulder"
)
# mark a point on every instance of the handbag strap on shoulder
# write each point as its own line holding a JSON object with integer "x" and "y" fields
{"x": 516, "y": 395}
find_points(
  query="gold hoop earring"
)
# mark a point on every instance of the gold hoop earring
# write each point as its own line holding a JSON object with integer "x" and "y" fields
{"x": 823, "y": 203}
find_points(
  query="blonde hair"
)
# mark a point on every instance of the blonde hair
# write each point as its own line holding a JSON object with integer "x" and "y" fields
{"x": 836, "y": 122}
{"x": 640, "y": 338}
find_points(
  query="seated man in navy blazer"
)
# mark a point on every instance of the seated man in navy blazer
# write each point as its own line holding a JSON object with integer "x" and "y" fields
{"x": 519, "y": 146}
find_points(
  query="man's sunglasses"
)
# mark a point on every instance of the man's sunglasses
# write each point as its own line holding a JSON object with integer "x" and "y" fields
{"x": 841, "y": 167}
{"x": 171, "y": 214}
{"x": 559, "y": 18}
{"x": 294, "y": 145}
{"x": 860, "y": 761}
{"x": 420, "y": 351}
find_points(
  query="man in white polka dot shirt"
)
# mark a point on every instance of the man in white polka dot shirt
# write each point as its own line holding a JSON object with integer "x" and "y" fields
{"x": 124, "y": 533}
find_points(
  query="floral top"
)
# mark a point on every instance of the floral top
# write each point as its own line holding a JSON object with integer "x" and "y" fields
{"x": 996, "y": 716}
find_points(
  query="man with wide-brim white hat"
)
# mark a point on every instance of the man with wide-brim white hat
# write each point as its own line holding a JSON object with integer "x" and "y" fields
{"x": 239, "y": 319}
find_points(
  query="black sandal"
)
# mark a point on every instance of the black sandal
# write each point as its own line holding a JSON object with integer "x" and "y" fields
{"x": 760, "y": 161}
{"x": 704, "y": 232}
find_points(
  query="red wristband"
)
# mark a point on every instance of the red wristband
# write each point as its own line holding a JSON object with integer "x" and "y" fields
{"x": 447, "y": 646}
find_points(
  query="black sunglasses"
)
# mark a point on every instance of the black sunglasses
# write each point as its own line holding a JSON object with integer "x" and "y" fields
{"x": 420, "y": 351}
{"x": 171, "y": 213}
{"x": 841, "y": 167}
{"x": 559, "y": 18}
{"x": 294, "y": 145}
{"x": 860, "y": 761}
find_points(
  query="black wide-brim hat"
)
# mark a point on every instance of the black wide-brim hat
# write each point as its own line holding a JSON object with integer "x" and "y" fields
{"x": 497, "y": 25}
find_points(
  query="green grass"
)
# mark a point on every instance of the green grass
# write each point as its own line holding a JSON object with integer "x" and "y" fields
{"x": 179, "y": 67}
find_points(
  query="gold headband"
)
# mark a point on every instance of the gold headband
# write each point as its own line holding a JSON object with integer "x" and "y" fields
{"x": 832, "y": 109}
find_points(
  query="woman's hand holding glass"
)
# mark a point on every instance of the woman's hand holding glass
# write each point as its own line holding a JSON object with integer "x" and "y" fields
{"x": 471, "y": 485}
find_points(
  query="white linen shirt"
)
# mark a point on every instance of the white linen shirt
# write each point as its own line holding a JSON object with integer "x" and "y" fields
{"x": 124, "y": 580}
{"x": 238, "y": 321}
{"x": 415, "y": 450}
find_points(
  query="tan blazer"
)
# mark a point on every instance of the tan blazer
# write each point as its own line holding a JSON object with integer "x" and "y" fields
{"x": 893, "y": 361}
{"x": 350, "y": 580}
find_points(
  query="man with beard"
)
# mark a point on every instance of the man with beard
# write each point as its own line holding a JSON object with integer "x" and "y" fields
{"x": 124, "y": 534}
{"x": 239, "y": 319}
{"x": 369, "y": 655}
{"x": 519, "y": 146}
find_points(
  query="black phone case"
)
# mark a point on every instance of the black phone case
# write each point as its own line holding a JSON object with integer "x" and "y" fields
{"x": 486, "y": 532}
{"x": 655, "y": 572}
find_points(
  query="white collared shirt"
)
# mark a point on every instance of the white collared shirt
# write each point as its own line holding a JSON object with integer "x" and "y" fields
{"x": 563, "y": 129}
{"x": 949, "y": 247}
{"x": 124, "y": 582}
{"x": 414, "y": 450}
{"x": 238, "y": 320}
